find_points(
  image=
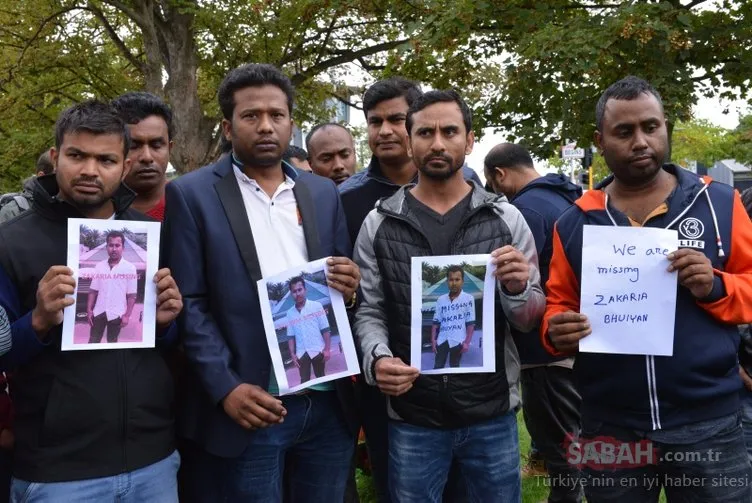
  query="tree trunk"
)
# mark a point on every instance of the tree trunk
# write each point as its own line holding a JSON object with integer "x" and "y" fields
{"x": 169, "y": 48}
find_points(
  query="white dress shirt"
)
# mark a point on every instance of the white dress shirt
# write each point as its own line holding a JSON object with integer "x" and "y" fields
{"x": 276, "y": 225}
{"x": 453, "y": 317}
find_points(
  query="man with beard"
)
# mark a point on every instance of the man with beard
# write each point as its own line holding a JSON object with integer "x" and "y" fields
{"x": 91, "y": 425}
{"x": 385, "y": 105}
{"x": 453, "y": 322}
{"x": 112, "y": 293}
{"x": 331, "y": 152}
{"x": 149, "y": 122}
{"x": 228, "y": 225}
{"x": 688, "y": 402}
{"x": 435, "y": 419}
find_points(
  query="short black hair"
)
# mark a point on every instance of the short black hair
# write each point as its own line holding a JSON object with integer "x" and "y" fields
{"x": 433, "y": 97}
{"x": 508, "y": 155}
{"x": 388, "y": 89}
{"x": 44, "y": 163}
{"x": 295, "y": 152}
{"x": 296, "y": 279}
{"x": 455, "y": 268}
{"x": 94, "y": 117}
{"x": 136, "y": 106}
{"x": 747, "y": 200}
{"x": 322, "y": 126}
{"x": 252, "y": 75}
{"x": 115, "y": 234}
{"x": 628, "y": 88}
{"x": 225, "y": 145}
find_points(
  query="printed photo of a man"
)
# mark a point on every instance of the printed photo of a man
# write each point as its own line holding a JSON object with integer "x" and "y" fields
{"x": 308, "y": 332}
{"x": 112, "y": 292}
{"x": 453, "y": 321}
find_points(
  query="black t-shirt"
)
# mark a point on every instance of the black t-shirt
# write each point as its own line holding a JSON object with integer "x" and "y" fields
{"x": 439, "y": 229}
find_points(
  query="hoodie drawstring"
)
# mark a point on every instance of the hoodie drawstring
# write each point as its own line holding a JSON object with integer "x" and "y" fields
{"x": 704, "y": 189}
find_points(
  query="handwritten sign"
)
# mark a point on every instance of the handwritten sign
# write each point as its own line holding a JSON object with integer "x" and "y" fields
{"x": 627, "y": 293}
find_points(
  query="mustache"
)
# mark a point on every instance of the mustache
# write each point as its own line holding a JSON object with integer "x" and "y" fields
{"x": 439, "y": 157}
{"x": 87, "y": 181}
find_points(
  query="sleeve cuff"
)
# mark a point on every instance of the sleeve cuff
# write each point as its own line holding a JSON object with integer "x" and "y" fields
{"x": 520, "y": 296}
{"x": 717, "y": 293}
{"x": 379, "y": 352}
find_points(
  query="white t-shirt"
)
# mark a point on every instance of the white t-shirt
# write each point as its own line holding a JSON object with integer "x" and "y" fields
{"x": 112, "y": 286}
{"x": 453, "y": 317}
{"x": 308, "y": 326}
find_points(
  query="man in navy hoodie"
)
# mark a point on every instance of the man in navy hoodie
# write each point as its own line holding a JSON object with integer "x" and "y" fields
{"x": 678, "y": 415}
{"x": 550, "y": 399}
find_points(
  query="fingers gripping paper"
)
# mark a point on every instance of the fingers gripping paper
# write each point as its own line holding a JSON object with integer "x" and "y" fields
{"x": 627, "y": 293}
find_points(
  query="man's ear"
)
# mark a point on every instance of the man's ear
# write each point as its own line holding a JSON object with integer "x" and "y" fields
{"x": 127, "y": 164}
{"x": 227, "y": 129}
{"x": 597, "y": 139}
{"x": 470, "y": 143}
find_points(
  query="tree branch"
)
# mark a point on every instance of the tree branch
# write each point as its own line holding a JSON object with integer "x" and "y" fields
{"x": 344, "y": 101}
{"x": 695, "y": 3}
{"x": 115, "y": 38}
{"x": 135, "y": 16}
{"x": 345, "y": 57}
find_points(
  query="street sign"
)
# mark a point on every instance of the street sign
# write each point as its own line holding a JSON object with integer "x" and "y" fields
{"x": 572, "y": 152}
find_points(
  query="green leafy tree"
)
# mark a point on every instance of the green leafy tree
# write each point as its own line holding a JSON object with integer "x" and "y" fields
{"x": 57, "y": 52}
{"x": 741, "y": 141}
{"x": 700, "y": 141}
{"x": 559, "y": 56}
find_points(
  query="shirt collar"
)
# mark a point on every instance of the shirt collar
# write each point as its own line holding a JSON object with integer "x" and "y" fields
{"x": 288, "y": 170}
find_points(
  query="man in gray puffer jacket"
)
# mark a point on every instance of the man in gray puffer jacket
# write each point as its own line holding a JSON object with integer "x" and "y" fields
{"x": 468, "y": 418}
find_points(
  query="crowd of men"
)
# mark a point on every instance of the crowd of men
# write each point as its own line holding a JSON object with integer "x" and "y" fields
{"x": 200, "y": 417}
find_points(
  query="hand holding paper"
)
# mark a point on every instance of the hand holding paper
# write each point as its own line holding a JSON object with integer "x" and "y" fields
{"x": 343, "y": 275}
{"x": 394, "y": 377}
{"x": 695, "y": 271}
{"x": 566, "y": 329}
{"x": 512, "y": 269}
{"x": 54, "y": 293}
{"x": 169, "y": 300}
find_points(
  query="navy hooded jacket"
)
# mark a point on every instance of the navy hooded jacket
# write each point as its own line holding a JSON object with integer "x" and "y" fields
{"x": 541, "y": 202}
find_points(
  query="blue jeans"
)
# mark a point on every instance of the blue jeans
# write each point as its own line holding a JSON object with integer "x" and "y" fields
{"x": 309, "y": 455}
{"x": 695, "y": 463}
{"x": 154, "y": 483}
{"x": 488, "y": 456}
{"x": 746, "y": 400}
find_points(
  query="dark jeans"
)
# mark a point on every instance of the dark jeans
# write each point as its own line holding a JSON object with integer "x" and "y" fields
{"x": 715, "y": 468}
{"x": 307, "y": 459}
{"x": 372, "y": 404}
{"x": 443, "y": 350}
{"x": 97, "y": 329}
{"x": 306, "y": 362}
{"x": 551, "y": 409}
{"x": 487, "y": 453}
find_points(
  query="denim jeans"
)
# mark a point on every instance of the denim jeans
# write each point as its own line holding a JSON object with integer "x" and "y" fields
{"x": 746, "y": 400}
{"x": 155, "y": 483}
{"x": 714, "y": 467}
{"x": 306, "y": 459}
{"x": 487, "y": 453}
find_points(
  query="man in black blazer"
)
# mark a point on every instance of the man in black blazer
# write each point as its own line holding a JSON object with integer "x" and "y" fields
{"x": 228, "y": 225}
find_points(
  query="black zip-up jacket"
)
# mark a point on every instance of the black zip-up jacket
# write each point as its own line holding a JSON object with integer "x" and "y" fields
{"x": 390, "y": 237}
{"x": 78, "y": 414}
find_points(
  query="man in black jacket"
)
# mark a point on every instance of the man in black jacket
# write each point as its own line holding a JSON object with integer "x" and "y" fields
{"x": 90, "y": 425}
{"x": 437, "y": 419}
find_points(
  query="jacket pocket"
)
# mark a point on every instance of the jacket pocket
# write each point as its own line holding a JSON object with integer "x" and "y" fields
{"x": 70, "y": 413}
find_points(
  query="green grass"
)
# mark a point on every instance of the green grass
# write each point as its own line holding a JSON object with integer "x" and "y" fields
{"x": 534, "y": 489}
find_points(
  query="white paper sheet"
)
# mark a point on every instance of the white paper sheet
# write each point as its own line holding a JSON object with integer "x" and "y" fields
{"x": 627, "y": 293}
{"x": 89, "y": 258}
{"x": 429, "y": 290}
{"x": 322, "y": 305}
